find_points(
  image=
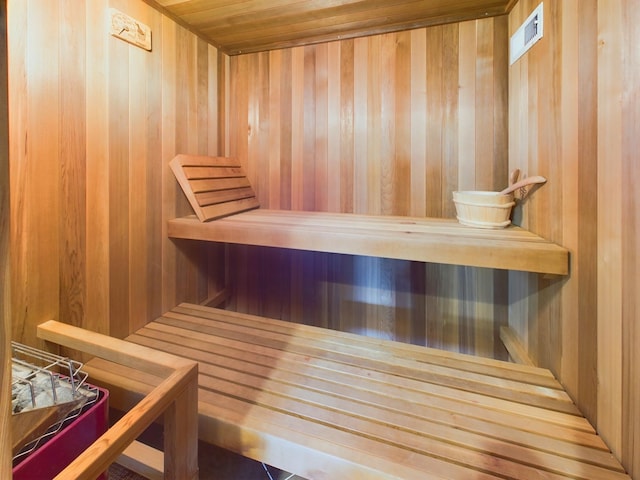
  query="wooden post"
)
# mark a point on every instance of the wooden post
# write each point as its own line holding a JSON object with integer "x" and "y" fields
{"x": 176, "y": 395}
{"x": 180, "y": 441}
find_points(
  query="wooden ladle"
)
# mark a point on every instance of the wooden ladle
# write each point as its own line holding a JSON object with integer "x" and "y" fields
{"x": 523, "y": 183}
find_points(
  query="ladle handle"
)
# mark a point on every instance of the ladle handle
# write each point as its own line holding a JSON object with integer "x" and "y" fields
{"x": 523, "y": 183}
{"x": 513, "y": 177}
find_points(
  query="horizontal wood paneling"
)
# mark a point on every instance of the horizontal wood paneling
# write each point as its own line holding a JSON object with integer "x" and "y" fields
{"x": 251, "y": 26}
{"x": 574, "y": 118}
{"x": 94, "y": 122}
{"x": 389, "y": 124}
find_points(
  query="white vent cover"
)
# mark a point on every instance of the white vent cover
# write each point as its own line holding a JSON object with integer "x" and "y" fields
{"x": 528, "y": 34}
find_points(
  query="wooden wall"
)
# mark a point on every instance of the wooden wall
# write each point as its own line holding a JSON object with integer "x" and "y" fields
{"x": 574, "y": 117}
{"x": 94, "y": 121}
{"x": 388, "y": 124}
{"x": 618, "y": 124}
{"x": 5, "y": 300}
{"x": 384, "y": 124}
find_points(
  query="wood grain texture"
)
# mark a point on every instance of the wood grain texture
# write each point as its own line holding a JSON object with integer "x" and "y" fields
{"x": 618, "y": 223}
{"x": 351, "y": 406}
{"x": 376, "y": 125}
{"x": 175, "y": 396}
{"x": 94, "y": 123}
{"x": 261, "y": 25}
{"x": 5, "y": 255}
{"x": 573, "y": 117}
{"x": 35, "y": 180}
{"x": 329, "y": 110}
{"x": 97, "y": 168}
{"x": 215, "y": 186}
{"x": 153, "y": 465}
{"x": 408, "y": 238}
{"x": 610, "y": 234}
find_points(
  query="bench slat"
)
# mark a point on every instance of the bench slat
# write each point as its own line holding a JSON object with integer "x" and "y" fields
{"x": 296, "y": 397}
{"x": 296, "y": 394}
{"x": 229, "y": 208}
{"x": 471, "y": 363}
{"x": 327, "y": 448}
{"x": 211, "y": 198}
{"x": 356, "y": 380}
{"x": 278, "y": 438}
{"x": 194, "y": 173}
{"x": 473, "y": 451}
{"x": 216, "y": 184}
{"x": 379, "y": 360}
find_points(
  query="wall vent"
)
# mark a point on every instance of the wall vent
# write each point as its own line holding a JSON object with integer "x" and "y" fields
{"x": 527, "y": 35}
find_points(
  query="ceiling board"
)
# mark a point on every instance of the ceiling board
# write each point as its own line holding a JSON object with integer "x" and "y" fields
{"x": 244, "y": 26}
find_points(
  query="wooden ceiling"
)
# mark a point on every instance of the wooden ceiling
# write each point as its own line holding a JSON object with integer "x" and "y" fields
{"x": 244, "y": 26}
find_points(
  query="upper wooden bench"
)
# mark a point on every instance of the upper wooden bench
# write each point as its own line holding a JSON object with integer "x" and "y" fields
{"x": 218, "y": 190}
{"x": 327, "y": 404}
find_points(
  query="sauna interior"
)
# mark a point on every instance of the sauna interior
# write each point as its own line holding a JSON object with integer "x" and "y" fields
{"x": 376, "y": 121}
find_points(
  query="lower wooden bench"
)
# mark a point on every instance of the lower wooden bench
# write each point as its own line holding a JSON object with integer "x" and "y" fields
{"x": 330, "y": 405}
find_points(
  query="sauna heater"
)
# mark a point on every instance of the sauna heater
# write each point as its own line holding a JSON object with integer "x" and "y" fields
{"x": 56, "y": 413}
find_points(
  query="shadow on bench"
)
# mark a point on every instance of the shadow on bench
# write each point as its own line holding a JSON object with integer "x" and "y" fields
{"x": 326, "y": 404}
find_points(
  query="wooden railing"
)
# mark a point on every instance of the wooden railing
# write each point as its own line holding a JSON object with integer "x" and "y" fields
{"x": 176, "y": 396}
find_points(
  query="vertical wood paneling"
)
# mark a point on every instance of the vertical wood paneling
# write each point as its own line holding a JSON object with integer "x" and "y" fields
{"x": 97, "y": 169}
{"x": 347, "y": 127}
{"x": 297, "y": 124}
{"x": 170, "y": 193}
{"x": 320, "y": 174}
{"x": 284, "y": 114}
{"x": 587, "y": 184}
{"x": 450, "y": 159}
{"x": 467, "y": 115}
{"x": 384, "y": 124}
{"x": 94, "y": 122}
{"x": 35, "y": 177}
{"x": 432, "y": 74}
{"x": 5, "y": 251}
{"x": 389, "y": 124}
{"x": 401, "y": 165}
{"x": 138, "y": 187}
{"x": 618, "y": 221}
{"x": 154, "y": 181}
{"x": 186, "y": 123}
{"x": 373, "y": 135}
{"x": 610, "y": 267}
{"x": 418, "y": 120}
{"x": 574, "y": 118}
{"x": 275, "y": 92}
{"x": 334, "y": 190}
{"x": 72, "y": 166}
{"x": 118, "y": 177}
{"x": 630, "y": 209}
{"x": 360, "y": 120}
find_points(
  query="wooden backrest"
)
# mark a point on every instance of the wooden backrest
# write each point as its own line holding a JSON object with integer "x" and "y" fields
{"x": 215, "y": 186}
